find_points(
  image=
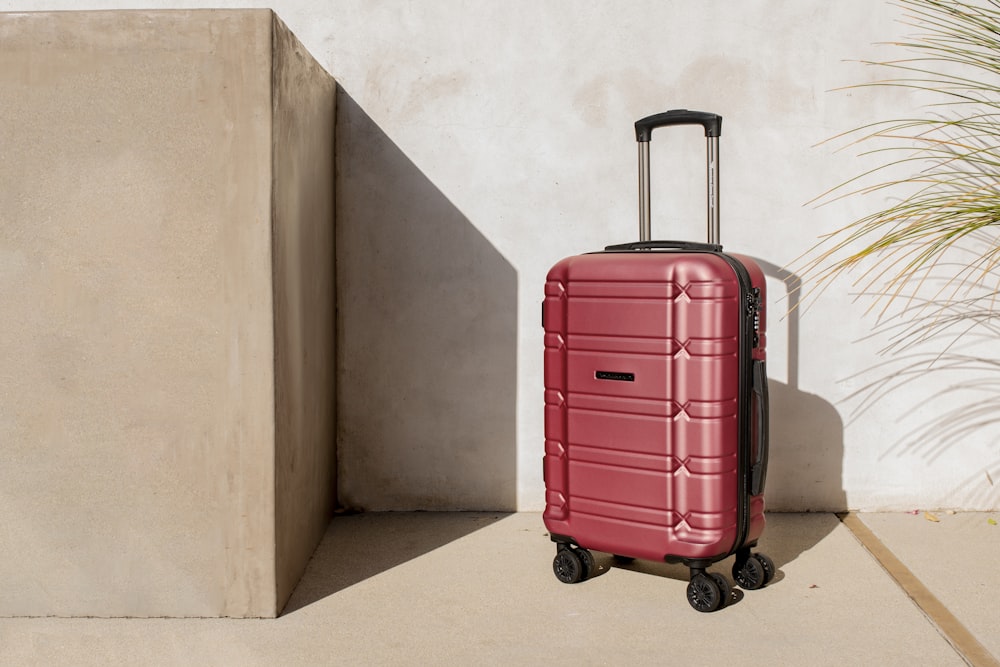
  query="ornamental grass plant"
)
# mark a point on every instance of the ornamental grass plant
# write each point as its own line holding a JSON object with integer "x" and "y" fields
{"x": 928, "y": 261}
{"x": 943, "y": 225}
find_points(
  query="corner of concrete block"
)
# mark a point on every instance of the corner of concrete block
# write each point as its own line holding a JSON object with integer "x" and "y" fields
{"x": 303, "y": 99}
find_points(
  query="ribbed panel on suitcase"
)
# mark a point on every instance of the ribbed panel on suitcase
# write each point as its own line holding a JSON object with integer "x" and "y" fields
{"x": 642, "y": 378}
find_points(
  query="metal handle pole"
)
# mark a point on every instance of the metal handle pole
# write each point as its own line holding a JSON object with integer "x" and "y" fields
{"x": 713, "y": 190}
{"x": 644, "y": 206}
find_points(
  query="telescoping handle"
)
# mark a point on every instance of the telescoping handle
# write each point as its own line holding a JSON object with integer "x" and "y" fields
{"x": 644, "y": 134}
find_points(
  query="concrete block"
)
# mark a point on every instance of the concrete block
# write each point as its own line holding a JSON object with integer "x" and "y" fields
{"x": 167, "y": 287}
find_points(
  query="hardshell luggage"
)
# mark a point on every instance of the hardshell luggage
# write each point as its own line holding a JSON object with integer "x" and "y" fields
{"x": 656, "y": 409}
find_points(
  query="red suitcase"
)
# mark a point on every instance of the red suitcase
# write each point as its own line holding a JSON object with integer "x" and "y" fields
{"x": 656, "y": 406}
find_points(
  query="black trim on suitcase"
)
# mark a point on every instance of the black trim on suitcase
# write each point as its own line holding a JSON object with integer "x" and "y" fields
{"x": 759, "y": 473}
{"x": 691, "y": 246}
{"x": 748, "y": 314}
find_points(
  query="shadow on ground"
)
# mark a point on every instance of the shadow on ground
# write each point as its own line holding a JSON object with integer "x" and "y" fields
{"x": 786, "y": 537}
{"x": 361, "y": 546}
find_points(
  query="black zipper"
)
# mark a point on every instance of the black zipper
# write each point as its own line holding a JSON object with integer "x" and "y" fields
{"x": 749, "y": 307}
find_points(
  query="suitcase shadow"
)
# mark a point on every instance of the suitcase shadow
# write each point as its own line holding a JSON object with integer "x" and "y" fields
{"x": 804, "y": 480}
{"x": 805, "y": 467}
{"x": 786, "y": 538}
{"x": 607, "y": 562}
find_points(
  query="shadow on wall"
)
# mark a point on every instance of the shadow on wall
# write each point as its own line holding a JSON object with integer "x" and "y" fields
{"x": 427, "y": 331}
{"x": 805, "y": 468}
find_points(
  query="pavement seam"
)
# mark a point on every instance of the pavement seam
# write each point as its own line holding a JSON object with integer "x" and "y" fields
{"x": 963, "y": 641}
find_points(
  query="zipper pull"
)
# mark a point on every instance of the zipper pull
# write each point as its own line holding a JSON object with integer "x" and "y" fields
{"x": 753, "y": 310}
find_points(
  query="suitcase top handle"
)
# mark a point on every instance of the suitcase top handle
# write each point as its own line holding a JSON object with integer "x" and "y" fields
{"x": 712, "y": 122}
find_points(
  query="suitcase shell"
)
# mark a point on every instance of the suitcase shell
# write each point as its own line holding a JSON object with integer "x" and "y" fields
{"x": 656, "y": 406}
{"x": 652, "y": 424}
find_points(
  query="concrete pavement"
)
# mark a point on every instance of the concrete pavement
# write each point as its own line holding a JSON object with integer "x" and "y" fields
{"x": 478, "y": 589}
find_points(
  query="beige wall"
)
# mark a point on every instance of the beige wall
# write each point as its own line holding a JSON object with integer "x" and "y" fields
{"x": 482, "y": 142}
{"x": 162, "y": 337}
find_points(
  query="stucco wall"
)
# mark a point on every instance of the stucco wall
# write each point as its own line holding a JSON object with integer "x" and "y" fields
{"x": 520, "y": 116}
{"x": 479, "y": 143}
{"x": 147, "y": 285}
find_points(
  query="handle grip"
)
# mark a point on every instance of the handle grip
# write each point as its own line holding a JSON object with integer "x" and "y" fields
{"x": 758, "y": 471}
{"x": 712, "y": 122}
{"x": 665, "y": 245}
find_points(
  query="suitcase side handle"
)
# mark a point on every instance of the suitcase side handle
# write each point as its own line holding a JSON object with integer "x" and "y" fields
{"x": 665, "y": 245}
{"x": 712, "y": 122}
{"x": 713, "y": 130}
{"x": 758, "y": 470}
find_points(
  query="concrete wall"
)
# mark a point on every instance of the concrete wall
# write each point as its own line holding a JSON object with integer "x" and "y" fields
{"x": 166, "y": 262}
{"x": 480, "y": 143}
{"x": 303, "y": 98}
